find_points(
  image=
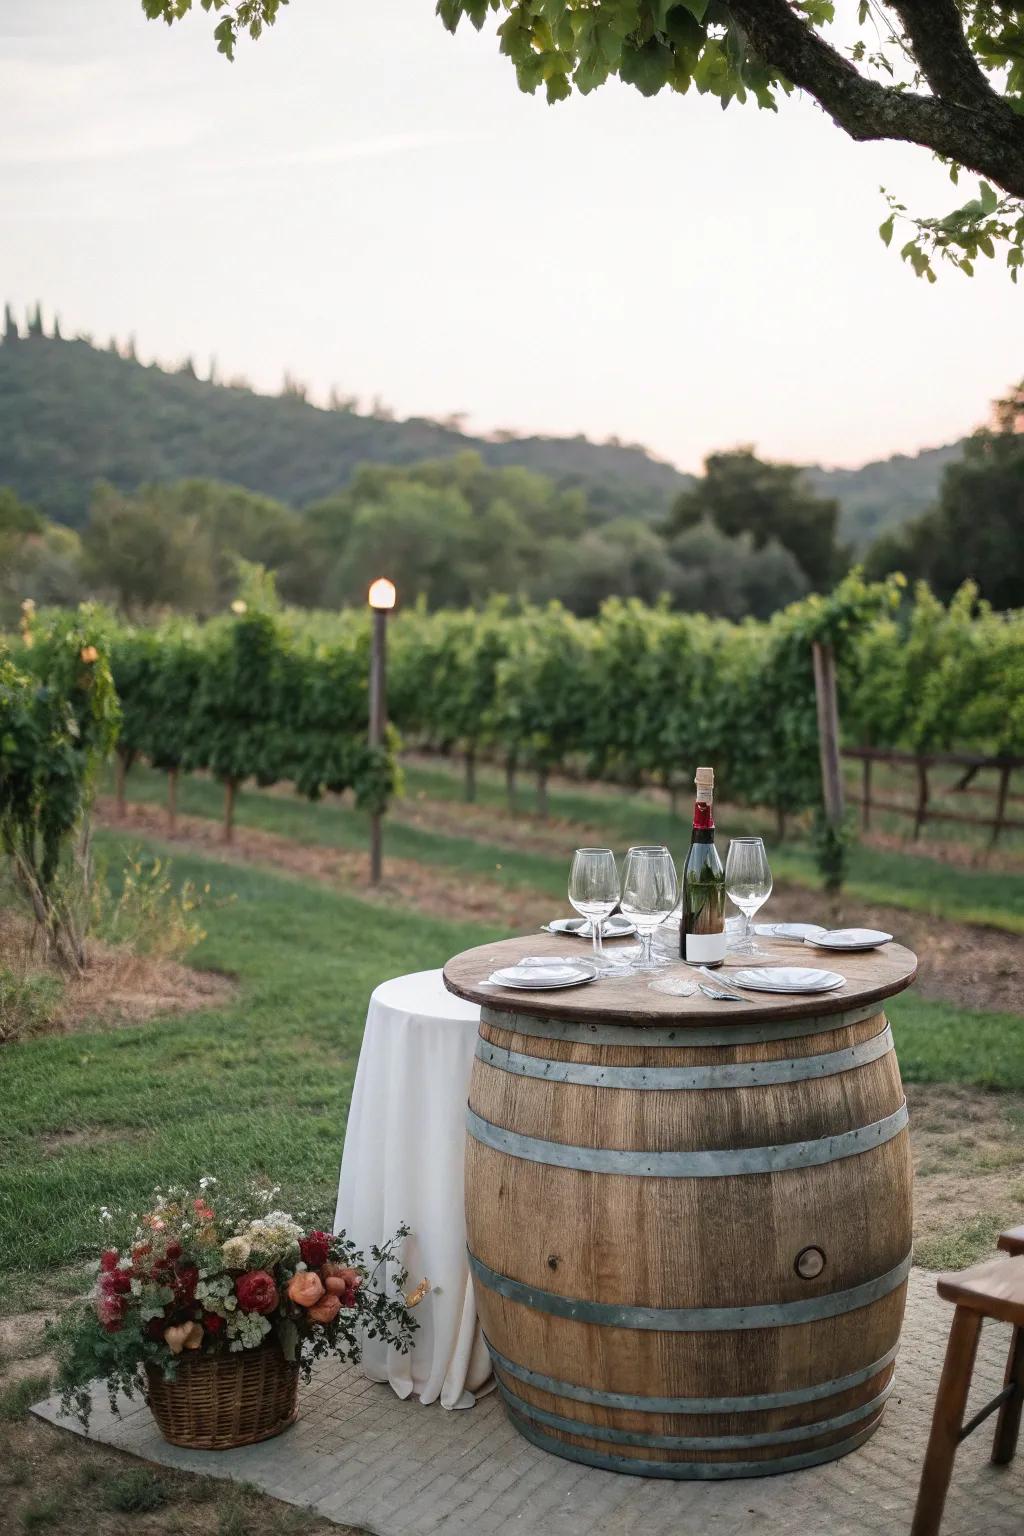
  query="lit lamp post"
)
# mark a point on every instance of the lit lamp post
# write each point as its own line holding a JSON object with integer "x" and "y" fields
{"x": 382, "y": 600}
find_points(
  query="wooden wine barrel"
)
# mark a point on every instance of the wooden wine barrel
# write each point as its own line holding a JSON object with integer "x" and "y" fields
{"x": 690, "y": 1240}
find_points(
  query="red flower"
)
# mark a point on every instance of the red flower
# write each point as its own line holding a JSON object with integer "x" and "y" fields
{"x": 213, "y": 1322}
{"x": 315, "y": 1249}
{"x": 256, "y": 1291}
{"x": 185, "y": 1282}
{"x": 115, "y": 1282}
{"x": 173, "y": 1251}
{"x": 108, "y": 1260}
{"x": 110, "y": 1311}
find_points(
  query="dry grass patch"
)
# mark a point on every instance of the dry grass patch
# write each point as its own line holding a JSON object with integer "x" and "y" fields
{"x": 119, "y": 986}
{"x": 968, "y": 1149}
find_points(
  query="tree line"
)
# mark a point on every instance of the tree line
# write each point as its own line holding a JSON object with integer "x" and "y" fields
{"x": 747, "y": 539}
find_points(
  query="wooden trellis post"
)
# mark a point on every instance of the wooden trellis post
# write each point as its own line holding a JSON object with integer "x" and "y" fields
{"x": 828, "y": 730}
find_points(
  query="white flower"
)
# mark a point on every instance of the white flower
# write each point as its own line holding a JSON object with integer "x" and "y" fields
{"x": 236, "y": 1251}
{"x": 206, "y": 1181}
{"x": 247, "y": 1329}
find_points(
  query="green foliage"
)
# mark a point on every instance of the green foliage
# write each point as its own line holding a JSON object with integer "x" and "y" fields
{"x": 179, "y": 545}
{"x": 741, "y": 494}
{"x": 38, "y": 559}
{"x": 59, "y": 718}
{"x": 27, "y": 1002}
{"x": 255, "y": 696}
{"x": 932, "y": 677}
{"x": 637, "y": 693}
{"x": 134, "y": 1492}
{"x": 975, "y": 529}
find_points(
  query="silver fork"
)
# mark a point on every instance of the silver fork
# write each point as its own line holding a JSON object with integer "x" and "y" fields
{"x": 716, "y": 990}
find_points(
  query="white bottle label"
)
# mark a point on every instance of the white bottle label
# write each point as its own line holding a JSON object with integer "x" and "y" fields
{"x": 701, "y": 948}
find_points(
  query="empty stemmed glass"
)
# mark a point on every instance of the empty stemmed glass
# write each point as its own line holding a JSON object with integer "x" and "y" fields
{"x": 594, "y": 892}
{"x": 649, "y": 891}
{"x": 748, "y": 882}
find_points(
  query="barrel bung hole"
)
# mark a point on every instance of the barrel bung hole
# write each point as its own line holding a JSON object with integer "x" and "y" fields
{"x": 809, "y": 1263}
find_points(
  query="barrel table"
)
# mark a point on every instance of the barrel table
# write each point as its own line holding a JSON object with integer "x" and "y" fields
{"x": 689, "y": 1222}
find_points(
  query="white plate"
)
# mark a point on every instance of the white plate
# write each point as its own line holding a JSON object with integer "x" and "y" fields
{"x": 793, "y": 933}
{"x": 851, "y": 938}
{"x": 785, "y": 978}
{"x": 544, "y": 979}
{"x": 616, "y": 927}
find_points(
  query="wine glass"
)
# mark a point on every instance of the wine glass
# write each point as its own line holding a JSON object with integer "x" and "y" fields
{"x": 748, "y": 882}
{"x": 649, "y": 891}
{"x": 594, "y": 892}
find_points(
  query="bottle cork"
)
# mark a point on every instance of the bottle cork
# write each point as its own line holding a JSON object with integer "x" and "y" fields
{"x": 705, "y": 781}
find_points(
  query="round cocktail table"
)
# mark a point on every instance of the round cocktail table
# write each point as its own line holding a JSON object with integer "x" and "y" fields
{"x": 689, "y": 1222}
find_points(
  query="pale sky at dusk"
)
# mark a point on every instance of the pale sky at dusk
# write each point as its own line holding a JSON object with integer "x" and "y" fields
{"x": 365, "y": 201}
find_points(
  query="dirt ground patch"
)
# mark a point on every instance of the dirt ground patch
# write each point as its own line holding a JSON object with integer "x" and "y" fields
{"x": 968, "y": 1149}
{"x": 978, "y": 968}
{"x": 425, "y": 887}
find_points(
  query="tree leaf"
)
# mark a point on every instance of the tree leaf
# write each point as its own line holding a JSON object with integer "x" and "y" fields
{"x": 647, "y": 68}
{"x": 885, "y": 229}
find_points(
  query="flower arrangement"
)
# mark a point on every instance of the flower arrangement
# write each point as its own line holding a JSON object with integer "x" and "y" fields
{"x": 210, "y": 1274}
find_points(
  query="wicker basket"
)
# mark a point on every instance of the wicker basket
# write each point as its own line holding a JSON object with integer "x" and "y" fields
{"x": 217, "y": 1402}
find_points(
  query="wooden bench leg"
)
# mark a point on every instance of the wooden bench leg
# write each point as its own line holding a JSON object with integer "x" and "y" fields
{"x": 954, "y": 1385}
{"x": 1008, "y": 1422}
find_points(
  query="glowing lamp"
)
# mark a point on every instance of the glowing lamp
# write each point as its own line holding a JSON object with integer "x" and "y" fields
{"x": 382, "y": 594}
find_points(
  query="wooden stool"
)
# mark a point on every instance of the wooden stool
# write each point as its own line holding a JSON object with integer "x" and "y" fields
{"x": 992, "y": 1289}
{"x": 1012, "y": 1241}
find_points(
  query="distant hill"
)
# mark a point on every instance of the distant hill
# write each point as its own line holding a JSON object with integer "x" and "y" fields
{"x": 885, "y": 493}
{"x": 71, "y": 414}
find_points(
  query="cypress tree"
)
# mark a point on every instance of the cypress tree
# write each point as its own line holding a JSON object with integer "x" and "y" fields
{"x": 11, "y": 331}
{"x": 35, "y": 321}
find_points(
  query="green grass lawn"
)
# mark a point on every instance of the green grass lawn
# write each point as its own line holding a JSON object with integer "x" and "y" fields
{"x": 262, "y": 1085}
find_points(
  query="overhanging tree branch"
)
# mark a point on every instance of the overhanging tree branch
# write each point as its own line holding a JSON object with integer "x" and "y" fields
{"x": 984, "y": 134}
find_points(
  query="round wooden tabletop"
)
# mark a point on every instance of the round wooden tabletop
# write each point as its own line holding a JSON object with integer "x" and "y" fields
{"x": 871, "y": 976}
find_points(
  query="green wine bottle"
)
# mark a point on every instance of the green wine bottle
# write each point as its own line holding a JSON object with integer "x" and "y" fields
{"x": 702, "y": 930}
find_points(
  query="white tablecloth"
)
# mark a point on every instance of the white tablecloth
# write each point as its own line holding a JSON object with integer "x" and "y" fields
{"x": 403, "y": 1162}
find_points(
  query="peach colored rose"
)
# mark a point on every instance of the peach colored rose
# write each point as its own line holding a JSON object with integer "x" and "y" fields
{"x": 181, "y": 1336}
{"x": 305, "y": 1288}
{"x": 326, "y": 1309}
{"x": 89, "y": 653}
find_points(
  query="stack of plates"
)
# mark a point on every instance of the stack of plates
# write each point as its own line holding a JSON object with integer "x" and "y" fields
{"x": 542, "y": 973}
{"x": 786, "y": 978}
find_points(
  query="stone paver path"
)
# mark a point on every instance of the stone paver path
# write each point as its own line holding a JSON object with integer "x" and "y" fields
{"x": 360, "y": 1456}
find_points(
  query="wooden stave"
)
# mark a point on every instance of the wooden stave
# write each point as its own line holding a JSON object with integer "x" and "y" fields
{"x": 870, "y": 1331}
